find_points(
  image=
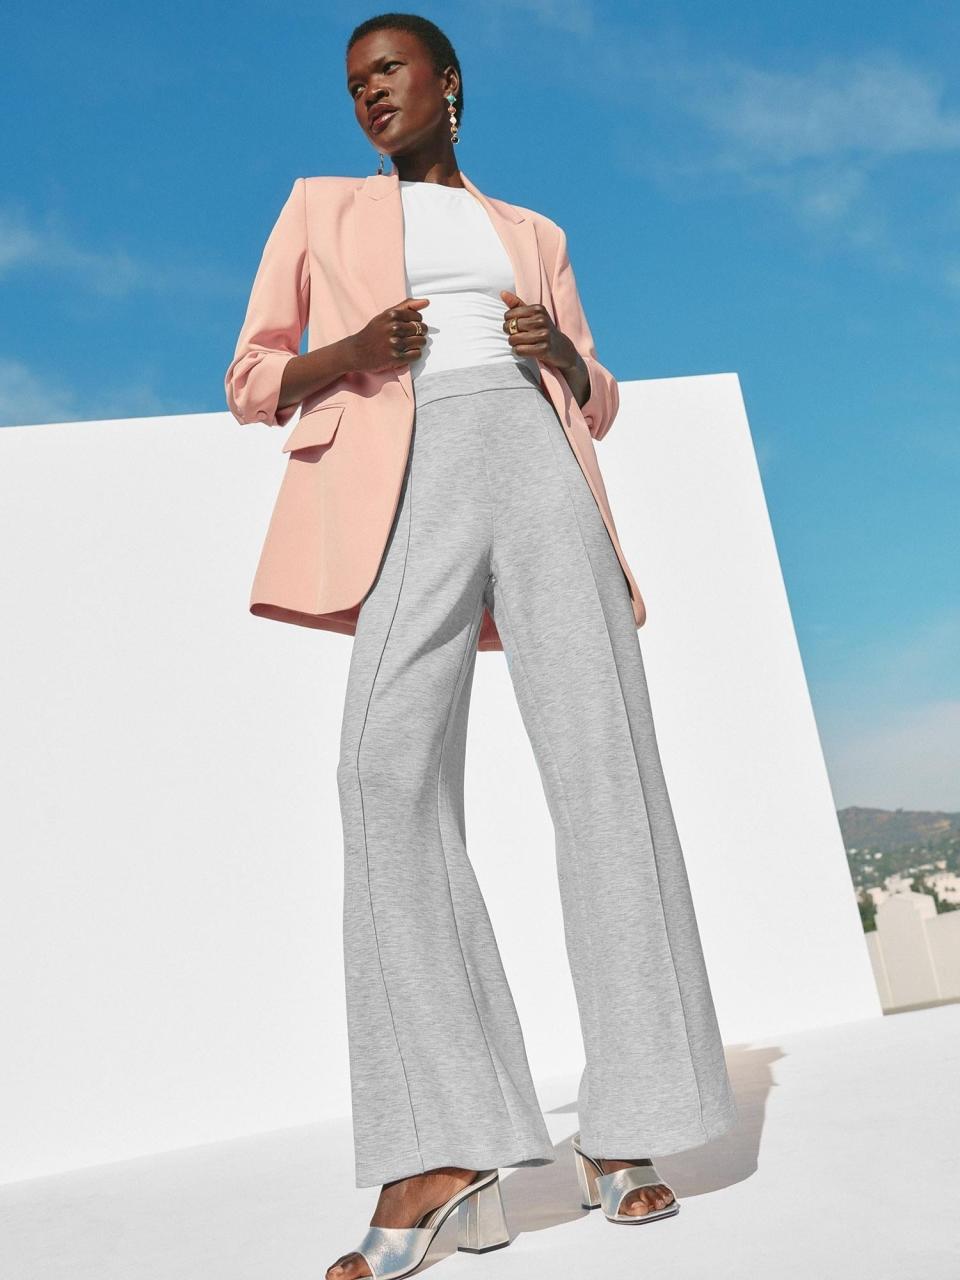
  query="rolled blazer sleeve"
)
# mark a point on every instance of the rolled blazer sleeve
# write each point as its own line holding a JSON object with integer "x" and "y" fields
{"x": 275, "y": 320}
{"x": 603, "y": 402}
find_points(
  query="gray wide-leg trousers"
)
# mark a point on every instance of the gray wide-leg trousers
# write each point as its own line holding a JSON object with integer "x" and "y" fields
{"x": 495, "y": 510}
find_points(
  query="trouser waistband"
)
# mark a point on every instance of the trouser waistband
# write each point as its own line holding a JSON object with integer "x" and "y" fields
{"x": 494, "y": 375}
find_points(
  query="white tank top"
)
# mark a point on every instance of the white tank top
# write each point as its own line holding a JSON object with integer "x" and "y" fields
{"x": 454, "y": 257}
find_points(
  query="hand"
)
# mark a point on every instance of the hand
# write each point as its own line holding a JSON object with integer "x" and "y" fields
{"x": 537, "y": 335}
{"x": 390, "y": 340}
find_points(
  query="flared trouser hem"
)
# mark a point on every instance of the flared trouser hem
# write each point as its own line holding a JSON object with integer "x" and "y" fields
{"x": 617, "y": 1146}
{"x": 631, "y": 1144}
{"x": 406, "y": 1164}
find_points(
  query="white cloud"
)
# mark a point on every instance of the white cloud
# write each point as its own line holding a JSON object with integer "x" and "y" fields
{"x": 48, "y": 249}
{"x": 18, "y": 243}
{"x": 24, "y": 246}
{"x": 28, "y": 397}
{"x": 874, "y": 105}
{"x": 827, "y": 141}
{"x": 575, "y": 16}
{"x": 819, "y": 139}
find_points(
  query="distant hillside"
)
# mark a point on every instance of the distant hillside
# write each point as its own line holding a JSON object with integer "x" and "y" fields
{"x": 890, "y": 829}
{"x": 885, "y": 842}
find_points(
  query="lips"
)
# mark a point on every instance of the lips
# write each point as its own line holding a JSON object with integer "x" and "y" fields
{"x": 382, "y": 119}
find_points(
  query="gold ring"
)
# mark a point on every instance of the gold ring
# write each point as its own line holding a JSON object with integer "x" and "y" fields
{"x": 513, "y": 324}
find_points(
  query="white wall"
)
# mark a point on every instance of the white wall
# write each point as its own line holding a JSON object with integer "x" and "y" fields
{"x": 170, "y": 952}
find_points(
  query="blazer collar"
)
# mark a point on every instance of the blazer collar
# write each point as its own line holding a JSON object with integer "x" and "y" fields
{"x": 378, "y": 220}
{"x": 377, "y": 185}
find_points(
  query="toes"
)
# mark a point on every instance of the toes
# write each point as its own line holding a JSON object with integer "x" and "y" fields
{"x": 637, "y": 1204}
{"x": 349, "y": 1266}
{"x": 645, "y": 1199}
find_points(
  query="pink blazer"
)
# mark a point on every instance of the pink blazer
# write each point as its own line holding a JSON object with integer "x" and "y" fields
{"x": 334, "y": 259}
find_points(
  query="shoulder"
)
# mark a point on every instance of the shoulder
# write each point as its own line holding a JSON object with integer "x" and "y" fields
{"x": 551, "y": 237}
{"x": 327, "y": 184}
{"x": 549, "y": 232}
{"x": 313, "y": 196}
{"x": 547, "y": 227}
{"x": 541, "y": 220}
{"x": 333, "y": 180}
{"x": 327, "y": 195}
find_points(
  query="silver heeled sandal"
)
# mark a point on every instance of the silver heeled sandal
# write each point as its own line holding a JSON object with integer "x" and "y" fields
{"x": 608, "y": 1190}
{"x": 394, "y": 1252}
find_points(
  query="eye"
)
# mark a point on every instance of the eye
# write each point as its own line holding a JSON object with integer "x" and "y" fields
{"x": 391, "y": 63}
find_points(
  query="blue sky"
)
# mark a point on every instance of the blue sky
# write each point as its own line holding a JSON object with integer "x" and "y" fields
{"x": 782, "y": 183}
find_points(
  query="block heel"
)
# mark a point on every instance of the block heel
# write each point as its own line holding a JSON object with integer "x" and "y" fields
{"x": 482, "y": 1223}
{"x": 392, "y": 1253}
{"x": 587, "y": 1178}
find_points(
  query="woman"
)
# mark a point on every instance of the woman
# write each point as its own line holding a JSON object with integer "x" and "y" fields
{"x": 488, "y": 527}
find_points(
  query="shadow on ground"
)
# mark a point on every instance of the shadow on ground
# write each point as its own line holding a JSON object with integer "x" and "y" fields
{"x": 536, "y": 1199}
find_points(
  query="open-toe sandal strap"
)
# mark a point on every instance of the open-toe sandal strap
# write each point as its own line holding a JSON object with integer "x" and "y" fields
{"x": 390, "y": 1250}
{"x": 613, "y": 1187}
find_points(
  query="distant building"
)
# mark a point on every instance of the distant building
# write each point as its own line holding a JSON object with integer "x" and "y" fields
{"x": 915, "y": 952}
{"x": 944, "y": 883}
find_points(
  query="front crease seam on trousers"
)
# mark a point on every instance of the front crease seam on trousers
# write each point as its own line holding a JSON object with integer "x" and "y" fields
{"x": 551, "y": 436}
{"x": 570, "y": 827}
{"x": 363, "y": 823}
{"x": 545, "y": 738}
{"x": 471, "y": 642}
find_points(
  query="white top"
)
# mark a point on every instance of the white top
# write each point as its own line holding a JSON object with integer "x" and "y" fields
{"x": 454, "y": 256}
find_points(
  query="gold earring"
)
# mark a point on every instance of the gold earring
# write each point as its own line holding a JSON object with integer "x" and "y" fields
{"x": 380, "y": 165}
{"x": 451, "y": 98}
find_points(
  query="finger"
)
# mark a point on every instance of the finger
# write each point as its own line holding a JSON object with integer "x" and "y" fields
{"x": 396, "y": 316}
{"x": 525, "y": 322}
{"x": 527, "y": 315}
{"x": 404, "y": 338}
{"x": 531, "y": 337}
{"x": 414, "y": 325}
{"x": 402, "y": 345}
{"x": 410, "y": 304}
{"x": 405, "y": 357}
{"x": 511, "y": 299}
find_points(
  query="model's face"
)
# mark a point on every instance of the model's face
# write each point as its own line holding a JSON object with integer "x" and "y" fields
{"x": 392, "y": 69}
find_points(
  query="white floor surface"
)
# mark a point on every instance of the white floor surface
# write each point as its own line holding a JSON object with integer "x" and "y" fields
{"x": 846, "y": 1165}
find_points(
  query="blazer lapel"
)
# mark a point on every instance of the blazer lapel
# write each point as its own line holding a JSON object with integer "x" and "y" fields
{"x": 378, "y": 222}
{"x": 519, "y": 237}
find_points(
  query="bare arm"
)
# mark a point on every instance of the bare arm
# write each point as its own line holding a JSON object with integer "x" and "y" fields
{"x": 306, "y": 374}
{"x": 578, "y": 378}
{"x": 387, "y": 341}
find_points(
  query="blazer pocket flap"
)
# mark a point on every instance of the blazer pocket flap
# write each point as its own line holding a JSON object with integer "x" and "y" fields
{"x": 316, "y": 427}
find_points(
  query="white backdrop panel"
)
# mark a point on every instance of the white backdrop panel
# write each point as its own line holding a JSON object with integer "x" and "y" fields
{"x": 170, "y": 951}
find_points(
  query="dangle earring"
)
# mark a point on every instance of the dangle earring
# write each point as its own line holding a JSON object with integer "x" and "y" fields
{"x": 451, "y": 98}
{"x": 380, "y": 166}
